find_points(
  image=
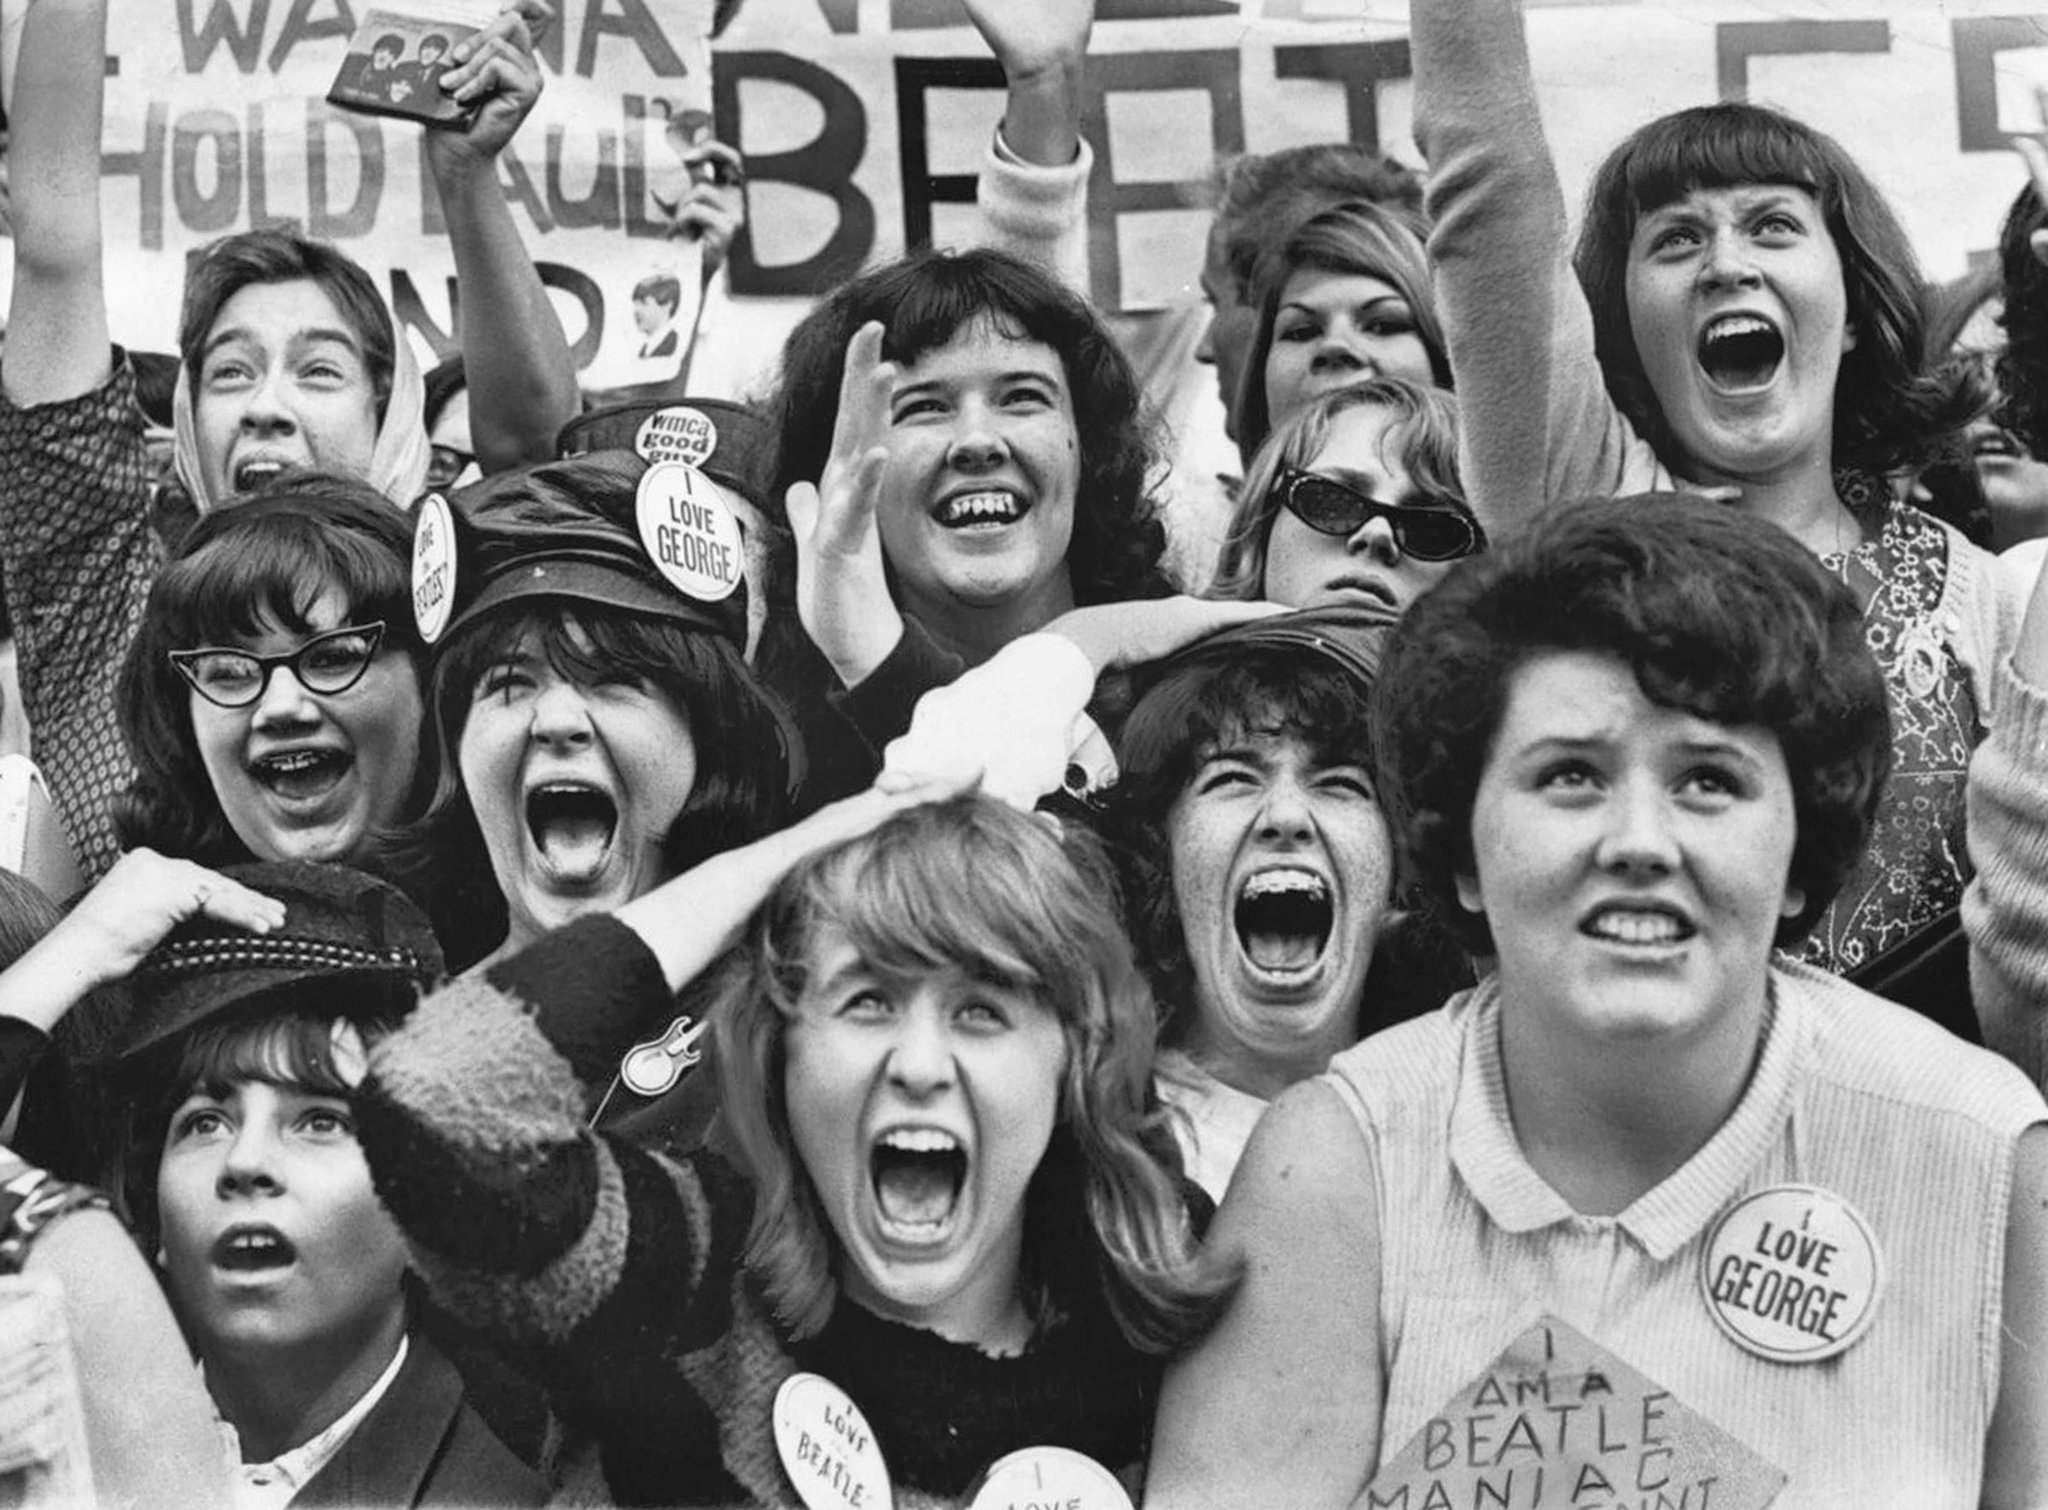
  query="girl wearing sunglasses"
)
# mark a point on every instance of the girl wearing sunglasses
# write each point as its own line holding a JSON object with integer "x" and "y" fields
{"x": 271, "y": 700}
{"x": 1353, "y": 499}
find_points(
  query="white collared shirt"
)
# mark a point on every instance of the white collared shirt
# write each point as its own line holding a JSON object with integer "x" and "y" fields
{"x": 271, "y": 1485}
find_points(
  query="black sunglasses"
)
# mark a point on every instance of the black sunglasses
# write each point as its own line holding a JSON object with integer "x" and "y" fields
{"x": 327, "y": 663}
{"x": 1334, "y": 508}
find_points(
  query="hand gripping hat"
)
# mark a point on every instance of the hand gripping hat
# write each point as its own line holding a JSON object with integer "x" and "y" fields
{"x": 655, "y": 538}
{"x": 358, "y": 940}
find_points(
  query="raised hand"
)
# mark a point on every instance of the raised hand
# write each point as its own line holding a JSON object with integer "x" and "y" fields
{"x": 716, "y": 206}
{"x": 497, "y": 72}
{"x": 842, "y": 589}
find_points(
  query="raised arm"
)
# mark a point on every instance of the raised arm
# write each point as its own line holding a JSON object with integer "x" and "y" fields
{"x": 57, "y": 326}
{"x": 1033, "y": 191}
{"x": 1280, "y": 1404}
{"x": 522, "y": 378}
{"x": 1531, "y": 400}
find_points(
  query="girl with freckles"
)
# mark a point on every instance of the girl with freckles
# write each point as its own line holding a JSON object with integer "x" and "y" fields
{"x": 947, "y": 1192}
{"x": 1740, "y": 316}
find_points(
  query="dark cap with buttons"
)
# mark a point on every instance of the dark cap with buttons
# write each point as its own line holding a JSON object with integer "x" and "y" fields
{"x": 341, "y": 928}
{"x": 607, "y": 528}
{"x": 730, "y": 443}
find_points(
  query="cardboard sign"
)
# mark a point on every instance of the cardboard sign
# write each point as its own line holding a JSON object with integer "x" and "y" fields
{"x": 689, "y": 532}
{"x": 1558, "y": 1423}
{"x": 827, "y": 1449}
{"x": 1049, "y": 1478}
{"x": 1792, "y": 1273}
{"x": 677, "y": 433}
{"x": 433, "y": 566}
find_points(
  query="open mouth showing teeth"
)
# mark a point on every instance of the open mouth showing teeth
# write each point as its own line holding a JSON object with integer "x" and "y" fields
{"x": 254, "y": 475}
{"x": 917, "y": 1174}
{"x": 1283, "y": 919}
{"x": 572, "y": 826}
{"x": 1630, "y": 926}
{"x": 1741, "y": 352}
{"x": 249, "y": 1248}
{"x": 299, "y": 775}
{"x": 968, "y": 509}
{"x": 1996, "y": 442}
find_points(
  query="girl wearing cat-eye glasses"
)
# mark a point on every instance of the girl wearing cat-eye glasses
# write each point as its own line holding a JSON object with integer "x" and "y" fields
{"x": 271, "y": 699}
{"x": 1353, "y": 499}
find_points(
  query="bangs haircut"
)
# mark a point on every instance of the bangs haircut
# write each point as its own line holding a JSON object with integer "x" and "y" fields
{"x": 1892, "y": 409}
{"x": 1715, "y": 615}
{"x": 1206, "y": 703}
{"x": 974, "y": 887}
{"x": 925, "y": 301}
{"x": 1421, "y": 435}
{"x": 283, "y": 1038}
{"x": 240, "y": 571}
{"x": 741, "y": 789}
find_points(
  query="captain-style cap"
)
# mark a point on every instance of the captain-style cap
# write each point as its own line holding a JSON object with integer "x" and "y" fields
{"x": 340, "y": 927}
{"x": 608, "y": 527}
{"x": 730, "y": 443}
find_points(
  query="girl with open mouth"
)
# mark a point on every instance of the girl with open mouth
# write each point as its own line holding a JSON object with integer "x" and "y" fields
{"x": 947, "y": 1194}
{"x": 1744, "y": 319}
{"x": 1631, "y": 753}
{"x": 271, "y": 700}
{"x": 595, "y": 727}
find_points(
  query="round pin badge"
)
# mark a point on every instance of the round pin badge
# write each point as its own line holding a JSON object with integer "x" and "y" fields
{"x": 677, "y": 433}
{"x": 433, "y": 566}
{"x": 1049, "y": 1476}
{"x": 830, "y": 1455}
{"x": 1793, "y": 1273}
{"x": 689, "y": 532}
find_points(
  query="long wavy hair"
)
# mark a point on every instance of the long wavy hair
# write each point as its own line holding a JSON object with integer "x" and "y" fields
{"x": 1422, "y": 435}
{"x": 973, "y": 886}
{"x": 266, "y": 561}
{"x": 927, "y": 299}
{"x": 1360, "y": 239}
{"x": 1893, "y": 407}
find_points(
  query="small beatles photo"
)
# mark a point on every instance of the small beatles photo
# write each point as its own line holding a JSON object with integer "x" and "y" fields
{"x": 394, "y": 66}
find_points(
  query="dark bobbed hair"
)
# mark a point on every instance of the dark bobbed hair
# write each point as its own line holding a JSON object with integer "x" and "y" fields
{"x": 1719, "y": 618}
{"x": 1259, "y": 193}
{"x": 662, "y": 288}
{"x": 268, "y": 559}
{"x": 1203, "y": 701}
{"x": 224, "y": 268}
{"x": 1356, "y": 238}
{"x": 925, "y": 300}
{"x": 1422, "y": 435}
{"x": 741, "y": 789}
{"x": 443, "y": 381}
{"x": 283, "y": 1037}
{"x": 976, "y": 888}
{"x": 2023, "y": 366}
{"x": 1892, "y": 407}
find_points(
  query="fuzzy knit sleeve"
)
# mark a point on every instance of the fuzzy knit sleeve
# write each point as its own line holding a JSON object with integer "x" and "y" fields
{"x": 2005, "y": 909}
{"x": 78, "y": 556}
{"x": 1036, "y": 212}
{"x": 592, "y": 1262}
{"x": 1532, "y": 402}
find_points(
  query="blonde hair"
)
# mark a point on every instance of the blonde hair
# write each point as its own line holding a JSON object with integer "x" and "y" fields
{"x": 1422, "y": 435}
{"x": 974, "y": 886}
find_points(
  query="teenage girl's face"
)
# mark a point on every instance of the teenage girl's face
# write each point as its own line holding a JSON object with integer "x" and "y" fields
{"x": 574, "y": 785}
{"x": 304, "y": 775}
{"x": 283, "y": 382}
{"x": 977, "y": 507}
{"x": 1308, "y": 569}
{"x": 920, "y": 1110}
{"x": 1333, "y": 329}
{"x": 273, "y": 1238}
{"x": 1741, "y": 318}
